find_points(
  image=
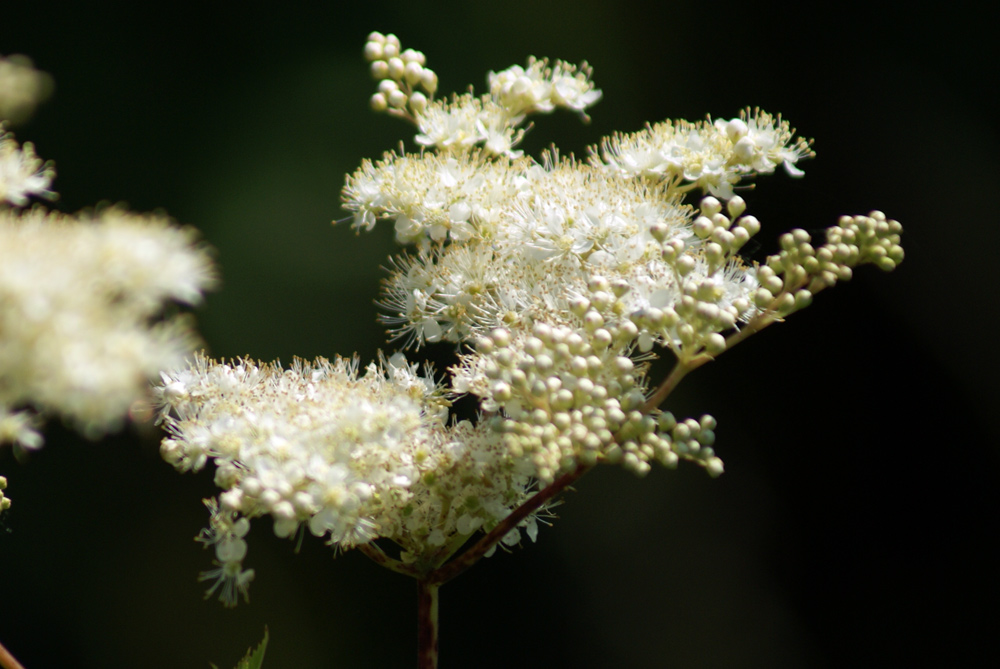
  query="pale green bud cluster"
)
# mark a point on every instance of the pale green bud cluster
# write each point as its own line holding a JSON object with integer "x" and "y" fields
{"x": 405, "y": 83}
{"x": 564, "y": 397}
{"x": 790, "y": 278}
{"x": 874, "y": 238}
{"x": 572, "y": 395}
{"x": 4, "y": 501}
{"x": 714, "y": 284}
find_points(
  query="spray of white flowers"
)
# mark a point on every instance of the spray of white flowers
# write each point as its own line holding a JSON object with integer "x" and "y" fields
{"x": 81, "y": 296}
{"x": 559, "y": 278}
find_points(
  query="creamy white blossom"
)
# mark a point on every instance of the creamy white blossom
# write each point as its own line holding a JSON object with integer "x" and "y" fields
{"x": 531, "y": 237}
{"x": 407, "y": 86}
{"x": 713, "y": 156}
{"x": 559, "y": 280}
{"x": 22, "y": 173}
{"x": 541, "y": 88}
{"x": 79, "y": 301}
{"x": 350, "y": 455}
{"x": 564, "y": 276}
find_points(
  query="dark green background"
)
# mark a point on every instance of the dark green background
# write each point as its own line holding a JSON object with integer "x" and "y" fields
{"x": 854, "y": 523}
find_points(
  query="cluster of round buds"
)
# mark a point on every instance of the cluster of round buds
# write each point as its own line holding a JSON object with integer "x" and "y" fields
{"x": 714, "y": 285}
{"x": 791, "y": 277}
{"x": 401, "y": 74}
{"x": 599, "y": 311}
{"x": 569, "y": 398}
{"x": 692, "y": 440}
{"x": 693, "y": 324}
{"x": 4, "y": 501}
{"x": 722, "y": 238}
{"x": 874, "y": 237}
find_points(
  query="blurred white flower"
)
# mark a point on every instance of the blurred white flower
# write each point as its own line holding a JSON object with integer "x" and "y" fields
{"x": 80, "y": 300}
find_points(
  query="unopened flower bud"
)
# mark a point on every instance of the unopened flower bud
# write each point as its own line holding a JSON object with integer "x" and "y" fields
{"x": 429, "y": 80}
{"x": 379, "y": 70}
{"x": 373, "y": 51}
{"x": 418, "y": 103}
{"x": 710, "y": 206}
{"x": 396, "y": 68}
{"x": 736, "y": 206}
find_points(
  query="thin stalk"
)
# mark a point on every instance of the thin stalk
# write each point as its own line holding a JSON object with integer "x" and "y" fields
{"x": 427, "y": 624}
{"x": 378, "y": 556}
{"x": 683, "y": 368}
{"x": 8, "y": 661}
{"x": 679, "y": 371}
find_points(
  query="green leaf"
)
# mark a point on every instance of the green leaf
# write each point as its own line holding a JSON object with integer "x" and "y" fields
{"x": 254, "y": 659}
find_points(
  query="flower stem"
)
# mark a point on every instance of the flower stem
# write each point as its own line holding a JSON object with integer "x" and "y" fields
{"x": 427, "y": 624}
{"x": 7, "y": 661}
{"x": 683, "y": 367}
{"x": 679, "y": 371}
{"x": 449, "y": 571}
{"x": 378, "y": 556}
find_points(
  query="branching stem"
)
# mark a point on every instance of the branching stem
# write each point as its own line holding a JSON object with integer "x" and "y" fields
{"x": 679, "y": 371}
{"x": 449, "y": 571}
{"x": 8, "y": 661}
{"x": 684, "y": 367}
{"x": 378, "y": 556}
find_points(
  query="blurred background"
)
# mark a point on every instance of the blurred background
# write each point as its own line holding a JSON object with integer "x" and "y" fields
{"x": 857, "y": 519}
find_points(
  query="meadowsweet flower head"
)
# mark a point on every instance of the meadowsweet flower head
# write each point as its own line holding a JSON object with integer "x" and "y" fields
{"x": 558, "y": 279}
{"x": 352, "y": 455}
{"x": 562, "y": 277}
{"x": 80, "y": 295}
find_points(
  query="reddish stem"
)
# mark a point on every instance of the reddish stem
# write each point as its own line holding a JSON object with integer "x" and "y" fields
{"x": 8, "y": 661}
{"x": 427, "y": 624}
{"x": 449, "y": 571}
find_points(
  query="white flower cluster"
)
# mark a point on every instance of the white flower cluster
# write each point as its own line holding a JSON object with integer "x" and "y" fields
{"x": 558, "y": 278}
{"x": 528, "y": 239}
{"x": 351, "y": 456}
{"x": 713, "y": 156}
{"x": 78, "y": 300}
{"x": 81, "y": 297}
{"x": 22, "y": 173}
{"x": 407, "y": 86}
{"x": 557, "y": 272}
